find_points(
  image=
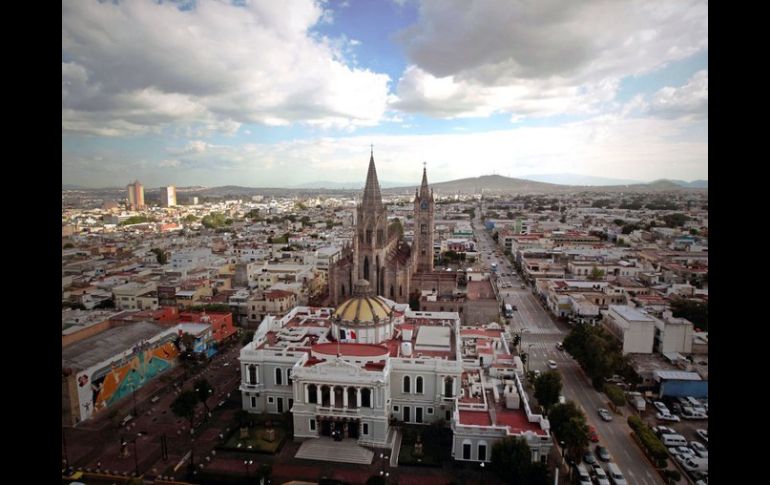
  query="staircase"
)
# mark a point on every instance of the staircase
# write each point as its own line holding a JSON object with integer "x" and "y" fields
{"x": 326, "y": 449}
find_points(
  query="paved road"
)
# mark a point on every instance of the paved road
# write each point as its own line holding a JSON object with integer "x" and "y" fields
{"x": 540, "y": 334}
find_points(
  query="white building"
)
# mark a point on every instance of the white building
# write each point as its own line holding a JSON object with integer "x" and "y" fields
{"x": 634, "y": 329}
{"x": 371, "y": 362}
{"x": 189, "y": 259}
{"x": 673, "y": 334}
{"x": 168, "y": 196}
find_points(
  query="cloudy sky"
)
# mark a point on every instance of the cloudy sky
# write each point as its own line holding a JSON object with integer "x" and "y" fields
{"x": 280, "y": 93}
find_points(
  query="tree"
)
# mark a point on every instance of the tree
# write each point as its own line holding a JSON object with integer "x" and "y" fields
{"x": 69, "y": 245}
{"x": 596, "y": 274}
{"x": 247, "y": 337}
{"x": 204, "y": 390}
{"x": 548, "y": 389}
{"x": 184, "y": 406}
{"x": 695, "y": 311}
{"x": 560, "y": 414}
{"x": 160, "y": 255}
{"x": 512, "y": 459}
{"x": 574, "y": 434}
{"x": 189, "y": 219}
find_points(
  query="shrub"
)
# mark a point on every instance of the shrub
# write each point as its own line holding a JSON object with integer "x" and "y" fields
{"x": 615, "y": 394}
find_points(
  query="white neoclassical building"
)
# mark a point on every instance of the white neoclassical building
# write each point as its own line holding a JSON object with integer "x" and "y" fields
{"x": 373, "y": 362}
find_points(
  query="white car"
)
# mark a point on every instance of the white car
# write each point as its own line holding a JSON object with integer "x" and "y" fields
{"x": 668, "y": 417}
{"x": 703, "y": 434}
{"x": 681, "y": 450}
{"x": 661, "y": 407}
{"x": 699, "y": 449}
{"x": 552, "y": 364}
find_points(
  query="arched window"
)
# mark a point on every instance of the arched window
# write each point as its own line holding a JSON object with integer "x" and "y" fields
{"x": 278, "y": 377}
{"x": 366, "y": 398}
{"x": 343, "y": 290}
{"x": 252, "y": 374}
{"x": 448, "y": 385}
{"x": 366, "y": 268}
{"x": 418, "y": 385}
{"x": 482, "y": 451}
{"x": 312, "y": 394}
{"x": 407, "y": 385}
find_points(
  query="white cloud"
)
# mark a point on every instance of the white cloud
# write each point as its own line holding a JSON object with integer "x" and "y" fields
{"x": 138, "y": 66}
{"x": 690, "y": 100}
{"x": 642, "y": 148}
{"x": 473, "y": 58}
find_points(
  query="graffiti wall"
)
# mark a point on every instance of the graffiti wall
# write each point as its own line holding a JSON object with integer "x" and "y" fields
{"x": 103, "y": 385}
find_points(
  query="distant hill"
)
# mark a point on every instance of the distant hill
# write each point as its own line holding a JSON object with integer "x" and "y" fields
{"x": 695, "y": 184}
{"x": 345, "y": 185}
{"x": 577, "y": 179}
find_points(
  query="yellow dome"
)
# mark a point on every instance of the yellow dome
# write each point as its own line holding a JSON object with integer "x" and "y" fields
{"x": 363, "y": 307}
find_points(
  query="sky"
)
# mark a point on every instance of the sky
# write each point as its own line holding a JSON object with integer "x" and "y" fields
{"x": 277, "y": 94}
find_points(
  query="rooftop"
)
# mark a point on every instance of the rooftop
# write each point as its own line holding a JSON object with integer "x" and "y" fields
{"x": 91, "y": 351}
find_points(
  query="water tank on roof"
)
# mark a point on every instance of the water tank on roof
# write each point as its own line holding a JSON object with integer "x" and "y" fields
{"x": 406, "y": 349}
{"x": 407, "y": 334}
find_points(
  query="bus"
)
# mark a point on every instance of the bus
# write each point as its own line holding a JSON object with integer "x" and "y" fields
{"x": 508, "y": 310}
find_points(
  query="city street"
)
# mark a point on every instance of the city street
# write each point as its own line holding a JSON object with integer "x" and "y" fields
{"x": 540, "y": 334}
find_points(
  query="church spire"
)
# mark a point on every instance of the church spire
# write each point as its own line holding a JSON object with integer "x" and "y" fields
{"x": 424, "y": 191}
{"x": 372, "y": 197}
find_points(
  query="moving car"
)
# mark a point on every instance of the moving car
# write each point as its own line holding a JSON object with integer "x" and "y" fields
{"x": 552, "y": 364}
{"x": 604, "y": 414}
{"x": 592, "y": 434}
{"x": 603, "y": 453}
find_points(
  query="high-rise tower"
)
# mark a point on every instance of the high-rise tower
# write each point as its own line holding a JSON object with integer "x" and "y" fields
{"x": 135, "y": 195}
{"x": 423, "y": 226}
{"x": 370, "y": 243}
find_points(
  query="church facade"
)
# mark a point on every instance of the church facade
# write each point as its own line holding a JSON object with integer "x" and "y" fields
{"x": 378, "y": 252}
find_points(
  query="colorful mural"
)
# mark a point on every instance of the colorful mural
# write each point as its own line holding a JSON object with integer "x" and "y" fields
{"x": 118, "y": 380}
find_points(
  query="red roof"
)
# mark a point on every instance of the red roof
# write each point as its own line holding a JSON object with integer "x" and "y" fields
{"x": 517, "y": 422}
{"x": 475, "y": 418}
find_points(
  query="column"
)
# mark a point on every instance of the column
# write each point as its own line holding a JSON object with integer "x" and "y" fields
{"x": 358, "y": 397}
{"x": 331, "y": 396}
{"x": 307, "y": 394}
{"x": 318, "y": 394}
{"x": 345, "y": 397}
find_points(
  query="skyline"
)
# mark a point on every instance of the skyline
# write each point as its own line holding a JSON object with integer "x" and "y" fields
{"x": 210, "y": 93}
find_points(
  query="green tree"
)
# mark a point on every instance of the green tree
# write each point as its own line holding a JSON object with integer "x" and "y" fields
{"x": 596, "y": 274}
{"x": 204, "y": 391}
{"x": 184, "y": 406}
{"x": 247, "y": 337}
{"x": 189, "y": 219}
{"x": 561, "y": 414}
{"x": 615, "y": 394}
{"x": 160, "y": 255}
{"x": 675, "y": 220}
{"x": 547, "y": 389}
{"x": 512, "y": 459}
{"x": 696, "y": 311}
{"x": 574, "y": 433}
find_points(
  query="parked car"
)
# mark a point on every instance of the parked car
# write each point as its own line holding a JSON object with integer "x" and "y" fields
{"x": 592, "y": 435}
{"x": 661, "y": 430}
{"x": 676, "y": 408}
{"x": 681, "y": 450}
{"x": 668, "y": 417}
{"x": 600, "y": 476}
{"x": 589, "y": 457}
{"x": 603, "y": 453}
{"x": 552, "y": 364}
{"x": 699, "y": 449}
{"x": 604, "y": 414}
{"x": 703, "y": 434}
{"x": 560, "y": 346}
{"x": 661, "y": 407}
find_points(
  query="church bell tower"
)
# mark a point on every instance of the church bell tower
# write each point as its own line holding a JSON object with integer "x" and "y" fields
{"x": 423, "y": 226}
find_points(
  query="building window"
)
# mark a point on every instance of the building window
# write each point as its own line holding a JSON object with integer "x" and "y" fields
{"x": 312, "y": 425}
{"x": 407, "y": 385}
{"x": 253, "y": 402}
{"x": 288, "y": 377}
{"x": 270, "y": 400}
{"x": 466, "y": 451}
{"x": 278, "y": 377}
{"x": 366, "y": 428}
{"x": 430, "y": 410}
{"x": 252, "y": 374}
{"x": 482, "y": 452}
{"x": 418, "y": 385}
{"x": 395, "y": 409}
